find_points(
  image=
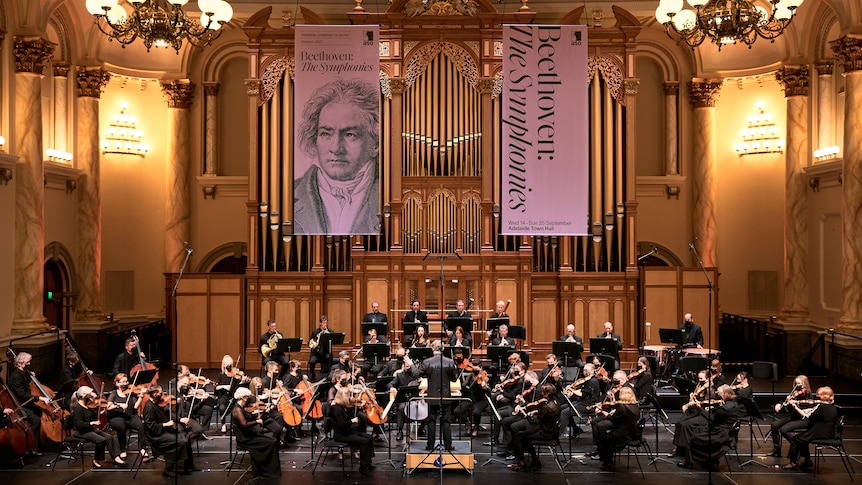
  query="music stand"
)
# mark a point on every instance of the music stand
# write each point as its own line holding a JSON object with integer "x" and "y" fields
{"x": 492, "y": 324}
{"x": 671, "y": 336}
{"x": 658, "y": 414}
{"x": 683, "y": 385}
{"x": 381, "y": 327}
{"x": 373, "y": 352}
{"x": 450, "y": 351}
{"x": 525, "y": 356}
{"x": 288, "y": 345}
{"x": 691, "y": 365}
{"x": 327, "y": 340}
{"x": 464, "y": 322}
{"x": 498, "y": 353}
{"x": 568, "y": 352}
{"x": 518, "y": 332}
{"x": 410, "y": 328}
{"x": 753, "y": 414}
{"x": 144, "y": 376}
{"x": 404, "y": 395}
{"x": 418, "y": 354}
{"x": 604, "y": 346}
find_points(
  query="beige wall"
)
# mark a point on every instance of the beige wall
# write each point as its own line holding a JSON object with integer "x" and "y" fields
{"x": 7, "y": 248}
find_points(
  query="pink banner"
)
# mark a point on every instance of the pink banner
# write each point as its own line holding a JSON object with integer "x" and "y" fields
{"x": 545, "y": 172}
{"x": 336, "y": 145}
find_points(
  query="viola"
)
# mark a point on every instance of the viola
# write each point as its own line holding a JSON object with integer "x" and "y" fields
{"x": 810, "y": 401}
{"x": 636, "y": 373}
{"x": 578, "y": 383}
{"x": 166, "y": 400}
{"x": 256, "y": 408}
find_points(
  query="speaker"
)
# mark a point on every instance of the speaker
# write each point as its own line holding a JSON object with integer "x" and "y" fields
{"x": 764, "y": 370}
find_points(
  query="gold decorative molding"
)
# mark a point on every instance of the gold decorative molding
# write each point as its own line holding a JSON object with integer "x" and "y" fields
{"x": 609, "y": 67}
{"x": 794, "y": 79}
{"x": 211, "y": 88}
{"x": 61, "y": 68}
{"x": 385, "y": 87}
{"x": 824, "y": 66}
{"x": 91, "y": 81}
{"x": 848, "y": 51}
{"x": 631, "y": 86}
{"x": 397, "y": 85}
{"x": 441, "y": 7}
{"x": 272, "y": 75}
{"x": 31, "y": 55}
{"x": 703, "y": 93}
{"x": 179, "y": 94}
{"x": 671, "y": 88}
{"x": 486, "y": 85}
{"x": 252, "y": 87}
{"x": 460, "y": 58}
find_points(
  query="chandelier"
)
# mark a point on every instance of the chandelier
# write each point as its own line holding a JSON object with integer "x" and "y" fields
{"x": 725, "y": 21}
{"x": 160, "y": 23}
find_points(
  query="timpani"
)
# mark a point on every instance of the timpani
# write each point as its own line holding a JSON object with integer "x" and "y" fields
{"x": 658, "y": 351}
{"x": 710, "y": 354}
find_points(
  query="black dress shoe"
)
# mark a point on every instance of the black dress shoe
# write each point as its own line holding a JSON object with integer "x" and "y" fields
{"x": 365, "y": 469}
{"x": 607, "y": 467}
{"x": 776, "y": 452}
{"x": 806, "y": 465}
{"x": 673, "y": 453}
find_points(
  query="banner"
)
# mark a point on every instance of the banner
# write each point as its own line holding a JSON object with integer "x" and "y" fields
{"x": 545, "y": 176}
{"x": 336, "y": 185}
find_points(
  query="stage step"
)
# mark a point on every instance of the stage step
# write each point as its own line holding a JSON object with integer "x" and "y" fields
{"x": 460, "y": 458}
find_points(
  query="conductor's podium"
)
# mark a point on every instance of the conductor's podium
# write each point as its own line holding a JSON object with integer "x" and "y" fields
{"x": 460, "y": 458}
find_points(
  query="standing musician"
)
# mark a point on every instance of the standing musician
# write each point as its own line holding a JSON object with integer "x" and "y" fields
{"x": 375, "y": 316}
{"x": 266, "y": 410}
{"x": 419, "y": 338}
{"x": 541, "y": 421}
{"x": 642, "y": 379}
{"x": 787, "y": 419}
{"x": 252, "y": 436}
{"x": 123, "y": 413}
{"x": 164, "y": 435}
{"x": 127, "y": 359}
{"x": 440, "y": 371}
{"x": 503, "y": 337}
{"x": 415, "y": 314}
{"x": 460, "y": 339}
{"x": 459, "y": 312}
{"x": 69, "y": 381}
{"x": 609, "y": 333}
{"x": 821, "y": 421}
{"x": 268, "y": 341}
{"x": 621, "y": 421}
{"x": 693, "y": 333}
{"x": 570, "y": 336}
{"x": 86, "y": 422}
{"x": 19, "y": 385}
{"x": 348, "y": 428}
{"x": 228, "y": 380}
{"x": 319, "y": 355}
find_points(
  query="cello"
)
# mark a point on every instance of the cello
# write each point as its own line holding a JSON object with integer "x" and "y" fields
{"x": 17, "y": 435}
{"x": 52, "y": 413}
{"x": 143, "y": 364}
{"x": 291, "y": 415}
{"x": 311, "y": 407}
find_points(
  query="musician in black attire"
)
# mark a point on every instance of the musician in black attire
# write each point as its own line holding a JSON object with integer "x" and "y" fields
{"x": 375, "y": 316}
{"x": 440, "y": 371}
{"x": 459, "y": 312}
{"x": 189, "y": 403}
{"x": 123, "y": 413}
{"x": 253, "y": 437}
{"x": 226, "y": 384}
{"x": 460, "y": 339}
{"x": 416, "y": 315}
{"x": 319, "y": 354}
{"x": 127, "y": 359}
{"x": 505, "y": 397}
{"x": 370, "y": 369}
{"x": 68, "y": 381}
{"x": 708, "y": 443}
{"x": 692, "y": 331}
{"x": 19, "y": 385}
{"x": 552, "y": 373}
{"x": 403, "y": 377}
{"x": 786, "y": 419}
{"x": 609, "y": 333}
{"x": 164, "y": 436}
{"x": 503, "y": 337}
{"x": 515, "y": 421}
{"x": 348, "y": 428}
{"x": 642, "y": 383}
{"x": 541, "y": 421}
{"x": 570, "y": 336}
{"x": 821, "y": 421}
{"x": 85, "y": 422}
{"x": 743, "y": 385}
{"x": 623, "y": 419}
{"x": 582, "y": 393}
{"x": 272, "y": 334}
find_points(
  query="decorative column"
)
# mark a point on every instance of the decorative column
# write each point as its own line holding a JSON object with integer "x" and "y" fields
{"x": 671, "y": 161}
{"x": 397, "y": 86}
{"x": 89, "y": 262}
{"x": 211, "y": 128}
{"x": 61, "y": 104}
{"x": 848, "y": 50}
{"x": 487, "y": 93}
{"x": 795, "y": 80}
{"x": 179, "y": 96}
{"x": 702, "y": 95}
{"x": 31, "y": 55}
{"x": 825, "y": 103}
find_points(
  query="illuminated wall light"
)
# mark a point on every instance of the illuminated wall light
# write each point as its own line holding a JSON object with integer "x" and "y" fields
{"x": 123, "y": 137}
{"x": 826, "y": 153}
{"x": 761, "y": 135}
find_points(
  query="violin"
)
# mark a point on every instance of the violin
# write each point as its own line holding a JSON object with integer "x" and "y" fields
{"x": 531, "y": 407}
{"x": 507, "y": 383}
{"x": 810, "y": 401}
{"x": 570, "y": 389}
{"x": 99, "y": 403}
{"x": 796, "y": 392}
{"x": 258, "y": 407}
{"x": 636, "y": 373}
{"x": 166, "y": 400}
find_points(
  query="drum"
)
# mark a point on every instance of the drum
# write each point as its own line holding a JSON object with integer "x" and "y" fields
{"x": 708, "y": 353}
{"x": 659, "y": 351}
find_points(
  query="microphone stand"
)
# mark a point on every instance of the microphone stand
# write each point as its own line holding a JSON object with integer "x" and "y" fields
{"x": 709, "y": 332}
{"x": 189, "y": 251}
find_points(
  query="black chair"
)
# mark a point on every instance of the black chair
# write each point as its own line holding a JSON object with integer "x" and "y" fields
{"x": 72, "y": 447}
{"x": 241, "y": 452}
{"x": 691, "y": 365}
{"x": 554, "y": 447}
{"x": 731, "y": 446}
{"x": 635, "y": 444}
{"x": 329, "y": 444}
{"x": 837, "y": 444}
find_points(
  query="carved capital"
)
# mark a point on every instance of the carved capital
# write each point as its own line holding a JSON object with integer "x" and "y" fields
{"x": 824, "y": 66}
{"x": 397, "y": 85}
{"x": 703, "y": 93}
{"x": 848, "y": 51}
{"x": 91, "y": 81}
{"x": 630, "y": 86}
{"x": 671, "y": 88}
{"x": 485, "y": 85}
{"x": 794, "y": 79}
{"x": 62, "y": 68}
{"x": 211, "y": 88}
{"x": 179, "y": 94}
{"x": 31, "y": 55}
{"x": 252, "y": 87}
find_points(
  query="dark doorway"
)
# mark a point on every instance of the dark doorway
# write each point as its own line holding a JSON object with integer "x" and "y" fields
{"x": 52, "y": 306}
{"x": 231, "y": 265}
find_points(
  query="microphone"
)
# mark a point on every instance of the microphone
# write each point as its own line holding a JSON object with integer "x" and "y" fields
{"x": 188, "y": 247}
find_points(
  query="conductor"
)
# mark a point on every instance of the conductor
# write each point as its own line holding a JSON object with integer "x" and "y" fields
{"x": 440, "y": 371}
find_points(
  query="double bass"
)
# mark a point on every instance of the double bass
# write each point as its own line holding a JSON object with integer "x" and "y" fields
{"x": 143, "y": 364}
{"x": 87, "y": 378}
{"x": 17, "y": 435}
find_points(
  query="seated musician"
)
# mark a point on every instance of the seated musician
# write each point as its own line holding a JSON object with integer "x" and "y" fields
{"x": 716, "y": 373}
{"x": 542, "y": 416}
{"x": 375, "y": 316}
{"x": 348, "y": 428}
{"x": 459, "y": 312}
{"x": 86, "y": 425}
{"x": 124, "y": 408}
{"x": 820, "y": 421}
{"x": 504, "y": 397}
{"x": 19, "y": 386}
{"x": 269, "y": 340}
{"x": 642, "y": 379}
{"x": 394, "y": 364}
{"x": 320, "y": 353}
{"x": 164, "y": 434}
{"x": 499, "y": 312}
{"x": 579, "y": 396}
{"x": 252, "y": 436}
{"x": 503, "y": 337}
{"x": 570, "y": 336}
{"x": 692, "y": 415}
{"x": 705, "y": 447}
{"x": 516, "y": 421}
{"x": 622, "y": 420}
{"x": 619, "y": 381}
{"x": 552, "y": 373}
{"x": 609, "y": 334}
{"x": 787, "y": 419}
{"x": 371, "y": 369}
{"x": 294, "y": 374}
{"x": 345, "y": 364}
{"x": 418, "y": 339}
{"x": 743, "y": 385}
{"x": 403, "y": 377}
{"x": 191, "y": 402}
{"x": 266, "y": 395}
{"x": 459, "y": 339}
{"x": 226, "y": 384}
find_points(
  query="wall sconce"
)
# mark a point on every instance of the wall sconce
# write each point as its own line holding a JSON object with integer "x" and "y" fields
{"x": 496, "y": 210}
{"x": 5, "y": 175}
{"x": 286, "y": 231}
{"x": 58, "y": 156}
{"x": 124, "y": 138}
{"x": 609, "y": 221}
{"x": 2, "y": 144}
{"x": 264, "y": 209}
{"x": 827, "y": 153}
{"x": 761, "y": 136}
{"x": 597, "y": 232}
{"x": 621, "y": 210}
{"x": 274, "y": 220}
{"x": 387, "y": 210}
